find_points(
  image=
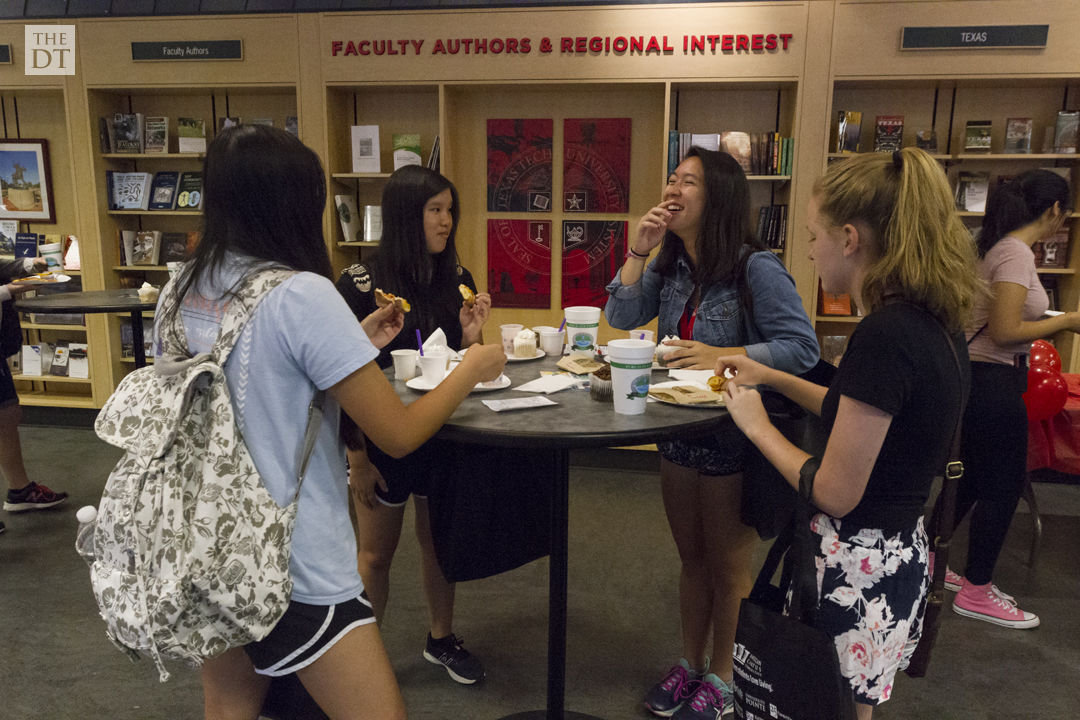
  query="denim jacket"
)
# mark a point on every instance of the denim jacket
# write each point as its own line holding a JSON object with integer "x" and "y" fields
{"x": 778, "y": 335}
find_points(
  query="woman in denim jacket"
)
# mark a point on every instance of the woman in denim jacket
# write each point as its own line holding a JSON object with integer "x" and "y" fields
{"x": 715, "y": 287}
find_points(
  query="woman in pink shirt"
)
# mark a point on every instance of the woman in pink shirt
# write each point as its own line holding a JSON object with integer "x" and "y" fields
{"x": 1023, "y": 211}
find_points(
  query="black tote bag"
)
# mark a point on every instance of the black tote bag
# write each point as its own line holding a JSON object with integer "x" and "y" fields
{"x": 785, "y": 667}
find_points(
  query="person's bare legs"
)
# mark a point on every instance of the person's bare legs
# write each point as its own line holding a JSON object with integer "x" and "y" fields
{"x": 232, "y": 690}
{"x": 680, "y": 489}
{"x": 729, "y": 547}
{"x": 11, "y": 459}
{"x": 353, "y": 680}
{"x": 437, "y": 591}
{"x": 863, "y": 712}
{"x": 378, "y": 531}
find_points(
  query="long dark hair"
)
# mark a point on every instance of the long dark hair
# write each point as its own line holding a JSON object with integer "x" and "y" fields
{"x": 265, "y": 193}
{"x": 1019, "y": 202}
{"x": 725, "y": 226}
{"x": 403, "y": 264}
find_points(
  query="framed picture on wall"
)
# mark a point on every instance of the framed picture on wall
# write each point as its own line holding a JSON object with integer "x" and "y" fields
{"x": 25, "y": 182}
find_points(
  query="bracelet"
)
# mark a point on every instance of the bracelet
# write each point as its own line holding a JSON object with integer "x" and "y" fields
{"x": 630, "y": 253}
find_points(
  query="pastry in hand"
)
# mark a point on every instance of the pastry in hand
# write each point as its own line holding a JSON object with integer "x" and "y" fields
{"x": 382, "y": 299}
{"x": 717, "y": 383}
{"x": 467, "y": 295}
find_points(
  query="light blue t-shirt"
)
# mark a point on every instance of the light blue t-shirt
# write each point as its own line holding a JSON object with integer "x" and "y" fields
{"x": 302, "y": 336}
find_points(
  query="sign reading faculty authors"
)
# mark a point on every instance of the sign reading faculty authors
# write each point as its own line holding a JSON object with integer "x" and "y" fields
{"x": 50, "y": 50}
{"x": 618, "y": 45}
{"x": 188, "y": 50}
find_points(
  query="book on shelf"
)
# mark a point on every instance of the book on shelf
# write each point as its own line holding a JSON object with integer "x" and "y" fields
{"x": 292, "y": 125}
{"x": 127, "y": 344}
{"x": 227, "y": 122}
{"x": 971, "y": 190}
{"x": 351, "y": 227}
{"x": 406, "y": 149}
{"x": 372, "y": 223}
{"x": 926, "y": 140}
{"x": 1066, "y": 131}
{"x": 191, "y": 135}
{"x": 26, "y": 245}
{"x": 1053, "y": 251}
{"x": 105, "y": 135}
{"x": 848, "y": 131}
{"x": 173, "y": 248}
{"x": 1018, "y": 135}
{"x": 125, "y": 240}
{"x": 61, "y": 352}
{"x": 156, "y": 135}
{"x": 189, "y": 191}
{"x": 8, "y": 230}
{"x": 269, "y": 122}
{"x": 1049, "y": 283}
{"x": 365, "y": 149}
{"x": 834, "y": 303}
{"x": 772, "y": 226}
{"x": 72, "y": 258}
{"x": 977, "y": 135}
{"x": 146, "y": 248}
{"x": 78, "y": 360}
{"x": 163, "y": 190}
{"x": 128, "y": 190}
{"x": 672, "y": 151}
{"x": 127, "y": 133}
{"x": 36, "y": 359}
{"x": 51, "y": 247}
{"x": 433, "y": 156}
{"x": 888, "y": 133}
{"x": 737, "y": 144}
{"x": 705, "y": 141}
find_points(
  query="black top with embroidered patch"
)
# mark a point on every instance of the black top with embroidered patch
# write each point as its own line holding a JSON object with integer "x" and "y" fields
{"x": 440, "y": 309}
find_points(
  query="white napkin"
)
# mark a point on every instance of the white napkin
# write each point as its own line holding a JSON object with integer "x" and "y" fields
{"x": 698, "y": 376}
{"x": 437, "y": 338}
{"x": 548, "y": 384}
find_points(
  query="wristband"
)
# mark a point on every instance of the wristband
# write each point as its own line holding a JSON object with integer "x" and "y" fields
{"x": 630, "y": 253}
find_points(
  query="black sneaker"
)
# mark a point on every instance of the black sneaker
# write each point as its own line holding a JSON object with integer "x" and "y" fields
{"x": 449, "y": 652}
{"x": 33, "y": 497}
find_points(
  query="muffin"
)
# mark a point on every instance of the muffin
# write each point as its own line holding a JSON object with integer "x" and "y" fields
{"x": 600, "y": 384}
{"x": 662, "y": 350}
{"x": 525, "y": 344}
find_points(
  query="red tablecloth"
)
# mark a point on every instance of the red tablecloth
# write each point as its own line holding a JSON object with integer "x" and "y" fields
{"x": 1055, "y": 443}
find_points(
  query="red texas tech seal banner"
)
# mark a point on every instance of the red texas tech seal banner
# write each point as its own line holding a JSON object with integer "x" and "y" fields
{"x": 592, "y": 251}
{"x": 519, "y": 263}
{"x": 519, "y": 165}
{"x": 596, "y": 165}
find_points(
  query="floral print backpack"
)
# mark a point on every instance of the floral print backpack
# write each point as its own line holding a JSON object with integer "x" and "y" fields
{"x": 191, "y": 551}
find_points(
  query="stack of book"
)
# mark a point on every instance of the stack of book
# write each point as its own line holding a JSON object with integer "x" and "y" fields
{"x": 166, "y": 190}
{"x": 772, "y": 225}
{"x": 766, "y": 153}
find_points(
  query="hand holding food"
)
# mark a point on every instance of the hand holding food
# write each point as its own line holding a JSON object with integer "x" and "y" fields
{"x": 467, "y": 295}
{"x": 746, "y": 371}
{"x": 651, "y": 228}
{"x": 744, "y": 405}
{"x": 382, "y": 299}
{"x": 486, "y": 361}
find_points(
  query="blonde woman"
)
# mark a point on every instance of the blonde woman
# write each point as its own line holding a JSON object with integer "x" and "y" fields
{"x": 882, "y": 228}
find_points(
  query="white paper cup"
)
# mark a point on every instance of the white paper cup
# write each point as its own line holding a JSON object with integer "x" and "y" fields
{"x": 642, "y": 334}
{"x": 433, "y": 365}
{"x": 53, "y": 254}
{"x": 404, "y": 363}
{"x": 631, "y": 362}
{"x": 507, "y": 333}
{"x": 551, "y": 341}
{"x": 582, "y": 327}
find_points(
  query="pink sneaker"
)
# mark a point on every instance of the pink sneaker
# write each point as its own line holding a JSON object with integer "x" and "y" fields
{"x": 982, "y": 602}
{"x": 953, "y": 581}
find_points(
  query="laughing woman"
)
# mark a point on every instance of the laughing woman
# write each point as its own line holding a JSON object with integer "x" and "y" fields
{"x": 715, "y": 287}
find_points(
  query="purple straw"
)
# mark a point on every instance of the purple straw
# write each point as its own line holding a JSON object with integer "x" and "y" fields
{"x": 419, "y": 343}
{"x": 563, "y": 325}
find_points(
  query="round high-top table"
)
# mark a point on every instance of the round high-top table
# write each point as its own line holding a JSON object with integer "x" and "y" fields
{"x": 125, "y": 300}
{"x": 576, "y": 422}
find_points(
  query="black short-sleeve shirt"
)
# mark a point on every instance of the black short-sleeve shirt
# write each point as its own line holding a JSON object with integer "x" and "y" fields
{"x": 898, "y": 361}
{"x": 357, "y": 285}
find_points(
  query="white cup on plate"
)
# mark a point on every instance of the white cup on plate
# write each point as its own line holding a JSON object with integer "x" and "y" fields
{"x": 433, "y": 365}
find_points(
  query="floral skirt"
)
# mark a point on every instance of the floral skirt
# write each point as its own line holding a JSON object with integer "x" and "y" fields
{"x": 872, "y": 589}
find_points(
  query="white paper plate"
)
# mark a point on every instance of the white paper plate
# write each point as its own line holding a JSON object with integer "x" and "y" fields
{"x": 691, "y": 383}
{"x": 57, "y": 278}
{"x": 419, "y": 383}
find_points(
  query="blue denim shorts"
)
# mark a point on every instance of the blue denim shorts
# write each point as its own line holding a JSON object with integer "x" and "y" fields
{"x": 720, "y": 454}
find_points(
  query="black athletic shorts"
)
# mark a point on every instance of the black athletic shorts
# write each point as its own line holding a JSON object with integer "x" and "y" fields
{"x": 305, "y": 632}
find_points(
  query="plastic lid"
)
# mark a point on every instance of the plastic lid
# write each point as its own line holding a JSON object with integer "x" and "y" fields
{"x": 86, "y": 514}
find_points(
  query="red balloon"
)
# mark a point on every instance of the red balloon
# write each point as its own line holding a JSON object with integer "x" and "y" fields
{"x": 1046, "y": 393}
{"x": 1043, "y": 353}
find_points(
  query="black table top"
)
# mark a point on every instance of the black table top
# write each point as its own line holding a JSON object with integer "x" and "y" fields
{"x": 91, "y": 301}
{"x": 577, "y": 421}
